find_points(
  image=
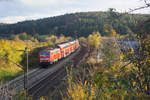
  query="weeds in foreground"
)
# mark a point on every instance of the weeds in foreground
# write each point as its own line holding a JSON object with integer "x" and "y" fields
{"x": 110, "y": 79}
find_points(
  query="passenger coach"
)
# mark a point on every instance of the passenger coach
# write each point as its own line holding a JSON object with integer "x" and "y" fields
{"x": 51, "y": 56}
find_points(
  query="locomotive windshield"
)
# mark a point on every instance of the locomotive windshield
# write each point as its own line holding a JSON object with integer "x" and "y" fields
{"x": 44, "y": 54}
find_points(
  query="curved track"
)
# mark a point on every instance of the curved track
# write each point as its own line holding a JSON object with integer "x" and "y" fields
{"x": 53, "y": 79}
{"x": 41, "y": 80}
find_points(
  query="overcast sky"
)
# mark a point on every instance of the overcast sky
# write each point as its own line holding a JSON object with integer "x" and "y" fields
{"x": 12, "y": 11}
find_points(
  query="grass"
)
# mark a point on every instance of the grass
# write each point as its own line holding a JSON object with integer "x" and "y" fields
{"x": 7, "y": 74}
{"x": 105, "y": 80}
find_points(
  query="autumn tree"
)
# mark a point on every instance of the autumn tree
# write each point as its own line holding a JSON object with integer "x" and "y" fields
{"x": 8, "y": 50}
{"x": 23, "y": 36}
{"x": 83, "y": 40}
{"x": 113, "y": 32}
{"x": 140, "y": 57}
{"x": 61, "y": 38}
{"x": 94, "y": 40}
{"x": 50, "y": 43}
{"x": 53, "y": 38}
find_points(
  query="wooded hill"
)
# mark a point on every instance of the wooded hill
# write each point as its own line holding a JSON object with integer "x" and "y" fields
{"x": 77, "y": 24}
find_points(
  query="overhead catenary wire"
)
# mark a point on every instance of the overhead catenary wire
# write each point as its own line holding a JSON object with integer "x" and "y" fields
{"x": 147, "y": 4}
{"x": 3, "y": 57}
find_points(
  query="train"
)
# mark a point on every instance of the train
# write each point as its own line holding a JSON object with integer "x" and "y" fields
{"x": 51, "y": 56}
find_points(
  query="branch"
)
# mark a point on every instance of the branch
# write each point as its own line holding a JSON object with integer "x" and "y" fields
{"x": 12, "y": 61}
{"x": 122, "y": 68}
{"x": 147, "y": 5}
{"x": 146, "y": 2}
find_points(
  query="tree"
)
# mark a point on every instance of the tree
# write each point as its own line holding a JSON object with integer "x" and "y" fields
{"x": 16, "y": 38}
{"x": 53, "y": 38}
{"x": 83, "y": 40}
{"x": 94, "y": 40}
{"x": 23, "y": 36}
{"x": 113, "y": 32}
{"x": 8, "y": 50}
{"x": 35, "y": 40}
{"x": 50, "y": 43}
{"x": 82, "y": 24}
{"x": 140, "y": 57}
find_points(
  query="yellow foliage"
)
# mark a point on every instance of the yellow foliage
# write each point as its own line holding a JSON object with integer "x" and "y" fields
{"x": 115, "y": 75}
{"x": 94, "y": 39}
{"x": 77, "y": 93}
{"x": 134, "y": 83}
{"x": 121, "y": 57}
{"x": 106, "y": 30}
{"x": 80, "y": 91}
{"x": 8, "y": 49}
{"x": 145, "y": 88}
{"x": 91, "y": 60}
{"x": 52, "y": 38}
{"x": 50, "y": 43}
{"x": 10, "y": 54}
{"x": 113, "y": 32}
{"x": 83, "y": 40}
{"x": 149, "y": 61}
{"x": 42, "y": 98}
{"x": 132, "y": 51}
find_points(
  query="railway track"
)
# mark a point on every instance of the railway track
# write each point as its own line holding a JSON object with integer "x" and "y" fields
{"x": 41, "y": 80}
{"x": 18, "y": 83}
{"x": 33, "y": 76}
{"x": 47, "y": 84}
{"x": 52, "y": 80}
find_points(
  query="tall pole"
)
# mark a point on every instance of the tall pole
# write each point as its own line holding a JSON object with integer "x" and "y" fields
{"x": 27, "y": 71}
{"x": 24, "y": 81}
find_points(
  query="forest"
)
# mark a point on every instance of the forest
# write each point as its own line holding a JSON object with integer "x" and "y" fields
{"x": 117, "y": 75}
{"x": 77, "y": 24}
{"x": 13, "y": 55}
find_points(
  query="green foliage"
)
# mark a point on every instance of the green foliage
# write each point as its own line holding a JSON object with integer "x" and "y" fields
{"x": 51, "y": 40}
{"x": 9, "y": 73}
{"x": 77, "y": 25}
{"x": 8, "y": 51}
{"x": 140, "y": 57}
{"x": 23, "y": 36}
{"x": 109, "y": 75}
{"x": 36, "y": 41}
{"x": 42, "y": 38}
{"x": 83, "y": 40}
{"x": 50, "y": 44}
{"x": 8, "y": 56}
{"x": 11, "y": 55}
{"x": 114, "y": 78}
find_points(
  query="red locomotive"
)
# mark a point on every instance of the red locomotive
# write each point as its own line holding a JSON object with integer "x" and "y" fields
{"x": 47, "y": 57}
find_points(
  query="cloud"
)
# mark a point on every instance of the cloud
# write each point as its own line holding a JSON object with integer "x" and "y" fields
{"x": 5, "y": 0}
{"x": 39, "y": 3}
{"x": 14, "y": 19}
{"x": 18, "y": 10}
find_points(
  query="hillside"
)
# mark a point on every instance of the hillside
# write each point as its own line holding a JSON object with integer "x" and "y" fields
{"x": 77, "y": 24}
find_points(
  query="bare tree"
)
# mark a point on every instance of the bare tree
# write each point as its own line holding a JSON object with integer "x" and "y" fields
{"x": 147, "y": 4}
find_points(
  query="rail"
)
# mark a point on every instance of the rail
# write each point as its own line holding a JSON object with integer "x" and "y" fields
{"x": 34, "y": 77}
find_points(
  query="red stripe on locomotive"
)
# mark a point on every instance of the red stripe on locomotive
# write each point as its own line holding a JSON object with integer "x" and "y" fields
{"x": 50, "y": 56}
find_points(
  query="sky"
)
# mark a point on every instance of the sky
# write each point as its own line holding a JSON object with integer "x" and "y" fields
{"x": 12, "y": 11}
